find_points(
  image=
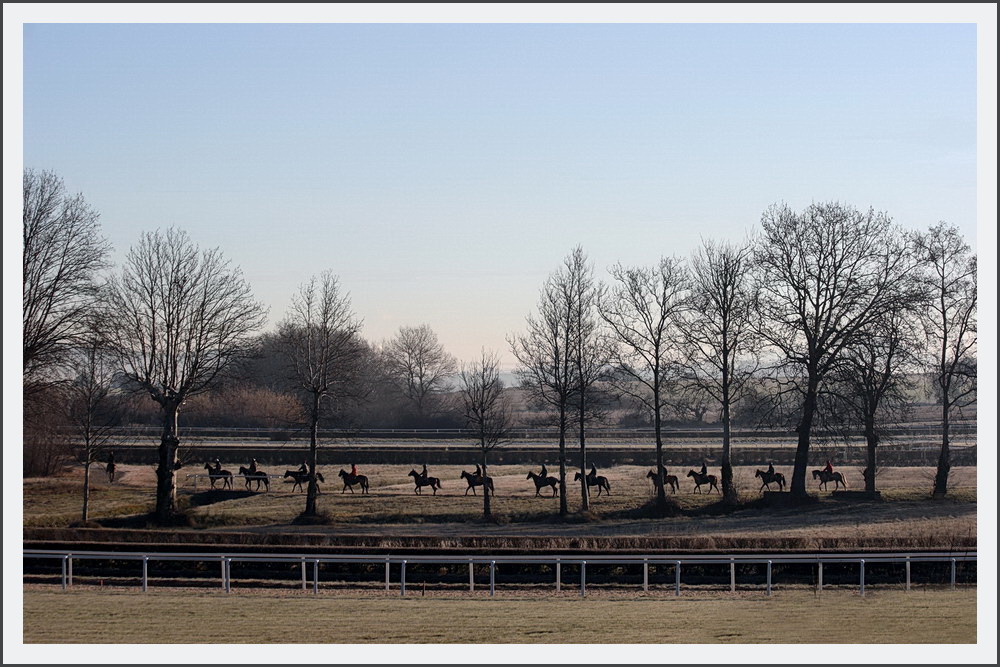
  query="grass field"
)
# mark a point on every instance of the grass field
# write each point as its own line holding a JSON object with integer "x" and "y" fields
{"x": 91, "y": 616}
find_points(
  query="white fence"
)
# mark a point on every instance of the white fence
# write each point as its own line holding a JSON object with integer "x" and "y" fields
{"x": 226, "y": 560}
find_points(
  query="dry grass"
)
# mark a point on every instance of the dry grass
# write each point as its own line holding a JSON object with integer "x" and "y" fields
{"x": 105, "y": 616}
{"x": 908, "y": 516}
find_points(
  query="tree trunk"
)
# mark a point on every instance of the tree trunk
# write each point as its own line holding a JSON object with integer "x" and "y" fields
{"x": 312, "y": 490}
{"x": 872, "y": 439}
{"x": 86, "y": 488}
{"x": 486, "y": 492}
{"x": 661, "y": 494}
{"x": 944, "y": 459}
{"x": 585, "y": 492}
{"x": 728, "y": 487}
{"x": 166, "y": 489}
{"x": 563, "y": 508}
{"x": 802, "y": 450}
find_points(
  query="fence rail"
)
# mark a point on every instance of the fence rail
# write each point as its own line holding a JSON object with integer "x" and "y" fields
{"x": 226, "y": 560}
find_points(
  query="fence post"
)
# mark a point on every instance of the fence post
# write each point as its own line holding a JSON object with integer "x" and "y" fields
{"x": 677, "y": 578}
{"x": 493, "y": 567}
{"x": 222, "y": 564}
{"x": 303, "y": 573}
{"x": 583, "y": 578}
{"x": 229, "y": 576}
{"x": 907, "y": 573}
{"x": 952, "y": 573}
{"x": 472, "y": 576}
{"x": 64, "y": 558}
{"x": 69, "y": 577}
{"x": 732, "y": 575}
{"x": 769, "y": 578}
{"x": 862, "y": 576}
{"x": 402, "y": 579}
{"x": 558, "y": 575}
{"x": 316, "y": 577}
{"x": 645, "y": 575}
{"x": 386, "y": 575}
{"x": 819, "y": 581}
{"x": 145, "y": 573}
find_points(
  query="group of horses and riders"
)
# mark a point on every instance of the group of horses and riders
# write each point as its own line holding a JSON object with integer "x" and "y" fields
{"x": 253, "y": 474}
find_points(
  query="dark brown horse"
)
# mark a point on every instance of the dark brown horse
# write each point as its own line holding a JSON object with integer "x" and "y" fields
{"x": 475, "y": 480}
{"x": 350, "y": 480}
{"x": 699, "y": 479}
{"x": 768, "y": 478}
{"x": 422, "y": 481}
{"x": 299, "y": 477}
{"x": 835, "y": 477}
{"x": 215, "y": 474}
{"x": 542, "y": 482}
{"x": 258, "y": 476}
{"x": 670, "y": 480}
{"x": 600, "y": 481}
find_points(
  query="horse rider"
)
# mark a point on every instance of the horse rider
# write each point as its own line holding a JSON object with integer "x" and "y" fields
{"x": 829, "y": 467}
{"x": 253, "y": 466}
{"x": 354, "y": 470}
{"x": 704, "y": 468}
{"x": 303, "y": 468}
{"x": 479, "y": 471}
{"x": 111, "y": 458}
{"x": 545, "y": 472}
{"x": 593, "y": 472}
{"x": 218, "y": 464}
{"x": 770, "y": 468}
{"x": 423, "y": 473}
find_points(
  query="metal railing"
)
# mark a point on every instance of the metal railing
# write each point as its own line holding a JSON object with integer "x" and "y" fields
{"x": 226, "y": 560}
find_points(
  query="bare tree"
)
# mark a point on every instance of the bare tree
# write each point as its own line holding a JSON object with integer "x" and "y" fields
{"x": 94, "y": 409}
{"x": 320, "y": 341}
{"x": 419, "y": 363}
{"x": 546, "y": 364}
{"x": 178, "y": 318}
{"x": 871, "y": 384}
{"x": 589, "y": 349}
{"x": 950, "y": 322}
{"x": 826, "y": 275}
{"x": 63, "y": 252}
{"x": 642, "y": 308}
{"x": 487, "y": 410}
{"x": 722, "y": 350}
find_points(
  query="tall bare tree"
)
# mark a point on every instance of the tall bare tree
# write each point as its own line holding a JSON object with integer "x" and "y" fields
{"x": 63, "y": 252}
{"x": 546, "y": 364}
{"x": 487, "y": 410}
{"x": 94, "y": 407}
{"x": 420, "y": 364}
{"x": 642, "y": 308}
{"x": 320, "y": 341}
{"x": 825, "y": 276}
{"x": 178, "y": 317}
{"x": 950, "y": 322}
{"x": 589, "y": 348}
{"x": 871, "y": 384}
{"x": 722, "y": 349}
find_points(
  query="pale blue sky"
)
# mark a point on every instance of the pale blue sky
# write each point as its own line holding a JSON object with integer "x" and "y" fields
{"x": 443, "y": 171}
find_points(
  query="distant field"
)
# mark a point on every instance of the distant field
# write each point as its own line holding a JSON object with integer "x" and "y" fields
{"x": 907, "y": 517}
{"x": 192, "y": 617}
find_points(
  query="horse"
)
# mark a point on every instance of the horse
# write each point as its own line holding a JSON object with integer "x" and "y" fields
{"x": 475, "y": 480}
{"x": 298, "y": 476}
{"x": 422, "y": 481}
{"x": 259, "y": 476}
{"x": 215, "y": 474}
{"x": 824, "y": 477}
{"x": 350, "y": 480}
{"x": 699, "y": 479}
{"x": 670, "y": 480}
{"x": 767, "y": 478}
{"x": 541, "y": 482}
{"x": 110, "y": 470}
{"x": 600, "y": 481}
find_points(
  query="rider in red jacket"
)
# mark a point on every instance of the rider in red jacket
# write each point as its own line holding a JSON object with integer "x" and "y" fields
{"x": 829, "y": 467}
{"x": 354, "y": 470}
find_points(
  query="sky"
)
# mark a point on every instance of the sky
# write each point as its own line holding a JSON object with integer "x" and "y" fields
{"x": 444, "y": 171}
{"x": 443, "y": 165}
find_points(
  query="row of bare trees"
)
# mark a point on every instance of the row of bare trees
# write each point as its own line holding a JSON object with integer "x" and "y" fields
{"x": 832, "y": 310}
